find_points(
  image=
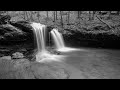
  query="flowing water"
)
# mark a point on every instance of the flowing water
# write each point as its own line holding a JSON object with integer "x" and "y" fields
{"x": 58, "y": 39}
{"x": 40, "y": 33}
{"x": 39, "y": 30}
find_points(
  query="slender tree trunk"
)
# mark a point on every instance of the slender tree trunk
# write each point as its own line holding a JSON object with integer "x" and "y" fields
{"x": 31, "y": 16}
{"x": 61, "y": 18}
{"x": 47, "y": 14}
{"x": 27, "y": 16}
{"x": 78, "y": 14}
{"x": 24, "y": 15}
{"x": 56, "y": 16}
{"x": 38, "y": 16}
{"x": 93, "y": 15}
{"x": 109, "y": 14}
{"x": 89, "y": 15}
{"x": 68, "y": 17}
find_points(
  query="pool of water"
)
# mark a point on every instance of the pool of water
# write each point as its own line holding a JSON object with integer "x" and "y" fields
{"x": 91, "y": 63}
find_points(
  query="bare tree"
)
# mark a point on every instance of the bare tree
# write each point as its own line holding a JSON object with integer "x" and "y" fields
{"x": 93, "y": 15}
{"x": 68, "y": 17}
{"x": 38, "y": 16}
{"x": 31, "y": 16}
{"x": 79, "y": 14}
{"x": 27, "y": 16}
{"x": 61, "y": 18}
{"x": 90, "y": 16}
{"x": 56, "y": 15}
{"x": 47, "y": 12}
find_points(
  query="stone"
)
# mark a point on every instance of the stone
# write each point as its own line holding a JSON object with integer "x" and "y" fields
{"x": 21, "y": 63}
{"x": 6, "y": 57}
{"x": 17, "y": 55}
{"x": 4, "y": 19}
{"x": 16, "y": 31}
{"x": 45, "y": 71}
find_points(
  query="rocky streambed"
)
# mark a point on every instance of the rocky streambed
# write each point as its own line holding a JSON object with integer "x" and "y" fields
{"x": 17, "y": 54}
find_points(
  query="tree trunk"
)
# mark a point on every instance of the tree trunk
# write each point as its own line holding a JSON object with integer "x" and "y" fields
{"x": 104, "y": 22}
{"x": 79, "y": 13}
{"x": 94, "y": 12}
{"x": 90, "y": 16}
{"x": 56, "y": 15}
{"x": 24, "y": 15}
{"x": 47, "y": 14}
{"x": 38, "y": 16}
{"x": 27, "y": 16}
{"x": 61, "y": 18}
{"x": 68, "y": 17}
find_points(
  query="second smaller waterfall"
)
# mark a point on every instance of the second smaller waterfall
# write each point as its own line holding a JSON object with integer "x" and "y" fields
{"x": 58, "y": 39}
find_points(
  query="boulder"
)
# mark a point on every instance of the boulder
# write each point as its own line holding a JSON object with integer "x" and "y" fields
{"x": 4, "y": 19}
{"x": 6, "y": 57}
{"x": 17, "y": 55}
{"x": 16, "y": 31}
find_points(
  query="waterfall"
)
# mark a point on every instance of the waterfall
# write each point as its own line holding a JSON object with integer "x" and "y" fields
{"x": 39, "y": 30}
{"x": 40, "y": 34}
{"x": 58, "y": 39}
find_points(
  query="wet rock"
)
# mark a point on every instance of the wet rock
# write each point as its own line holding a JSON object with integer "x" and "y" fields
{"x": 6, "y": 57}
{"x": 16, "y": 31}
{"x": 45, "y": 71}
{"x": 9, "y": 32}
{"x": 23, "y": 25}
{"x": 23, "y": 50}
{"x": 4, "y": 19}
{"x": 21, "y": 62}
{"x": 24, "y": 69}
{"x": 17, "y": 55}
{"x": 1, "y": 55}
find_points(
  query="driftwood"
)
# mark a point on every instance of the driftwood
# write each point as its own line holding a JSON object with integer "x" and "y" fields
{"x": 104, "y": 22}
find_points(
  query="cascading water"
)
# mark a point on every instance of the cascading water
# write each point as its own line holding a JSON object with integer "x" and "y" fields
{"x": 39, "y": 30}
{"x": 58, "y": 39}
{"x": 43, "y": 54}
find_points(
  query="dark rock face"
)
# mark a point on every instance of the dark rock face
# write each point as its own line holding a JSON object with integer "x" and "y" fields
{"x": 15, "y": 31}
{"x": 102, "y": 40}
{"x": 4, "y": 19}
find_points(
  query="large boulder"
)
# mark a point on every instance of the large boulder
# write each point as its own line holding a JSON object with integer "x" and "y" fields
{"x": 4, "y": 19}
{"x": 16, "y": 31}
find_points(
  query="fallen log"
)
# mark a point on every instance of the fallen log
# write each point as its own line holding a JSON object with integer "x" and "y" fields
{"x": 104, "y": 22}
